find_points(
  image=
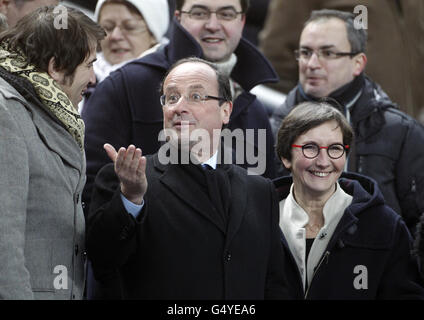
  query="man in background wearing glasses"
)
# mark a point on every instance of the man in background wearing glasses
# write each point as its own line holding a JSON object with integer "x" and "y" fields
{"x": 198, "y": 230}
{"x": 388, "y": 144}
{"x": 125, "y": 108}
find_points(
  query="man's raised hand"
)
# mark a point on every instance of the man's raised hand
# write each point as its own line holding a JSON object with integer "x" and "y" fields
{"x": 130, "y": 167}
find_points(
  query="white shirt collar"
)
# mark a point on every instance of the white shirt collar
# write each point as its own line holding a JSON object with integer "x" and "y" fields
{"x": 212, "y": 161}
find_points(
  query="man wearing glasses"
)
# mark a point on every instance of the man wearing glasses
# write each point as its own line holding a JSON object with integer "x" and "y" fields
{"x": 388, "y": 144}
{"x": 198, "y": 230}
{"x": 125, "y": 108}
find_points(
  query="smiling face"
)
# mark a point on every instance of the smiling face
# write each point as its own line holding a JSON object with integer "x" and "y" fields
{"x": 208, "y": 115}
{"x": 316, "y": 178}
{"x": 75, "y": 85}
{"x": 217, "y": 38}
{"x": 320, "y": 77}
{"x": 127, "y": 33}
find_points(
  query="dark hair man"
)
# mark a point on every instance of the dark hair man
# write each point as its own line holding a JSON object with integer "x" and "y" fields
{"x": 44, "y": 69}
{"x": 125, "y": 108}
{"x": 202, "y": 233}
{"x": 387, "y": 146}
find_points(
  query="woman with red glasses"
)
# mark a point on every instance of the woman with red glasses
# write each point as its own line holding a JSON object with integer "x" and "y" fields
{"x": 344, "y": 241}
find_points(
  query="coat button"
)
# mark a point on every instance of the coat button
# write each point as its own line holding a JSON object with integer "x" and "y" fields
{"x": 228, "y": 257}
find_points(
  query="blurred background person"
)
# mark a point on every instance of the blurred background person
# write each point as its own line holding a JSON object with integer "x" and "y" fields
{"x": 3, "y": 22}
{"x": 132, "y": 27}
{"x": 395, "y": 48}
{"x": 16, "y": 9}
{"x": 346, "y": 242}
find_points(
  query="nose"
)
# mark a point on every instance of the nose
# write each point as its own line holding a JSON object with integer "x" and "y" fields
{"x": 116, "y": 33}
{"x": 314, "y": 61}
{"x": 322, "y": 160}
{"x": 213, "y": 22}
{"x": 180, "y": 107}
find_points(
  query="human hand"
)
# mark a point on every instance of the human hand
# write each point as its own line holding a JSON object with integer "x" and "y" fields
{"x": 130, "y": 167}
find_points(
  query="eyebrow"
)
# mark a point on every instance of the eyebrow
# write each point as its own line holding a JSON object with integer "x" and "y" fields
{"x": 328, "y": 46}
{"x": 175, "y": 87}
{"x": 207, "y": 8}
{"x": 196, "y": 86}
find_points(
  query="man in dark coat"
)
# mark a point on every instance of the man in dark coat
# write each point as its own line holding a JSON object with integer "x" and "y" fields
{"x": 388, "y": 143}
{"x": 159, "y": 230}
{"x": 125, "y": 108}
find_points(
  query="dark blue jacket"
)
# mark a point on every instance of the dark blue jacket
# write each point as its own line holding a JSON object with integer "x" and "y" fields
{"x": 125, "y": 109}
{"x": 371, "y": 235}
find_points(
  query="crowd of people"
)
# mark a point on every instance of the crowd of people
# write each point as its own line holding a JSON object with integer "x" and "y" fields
{"x": 136, "y": 163}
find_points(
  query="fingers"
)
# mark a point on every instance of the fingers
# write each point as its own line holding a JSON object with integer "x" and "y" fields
{"x": 141, "y": 168}
{"x": 130, "y": 158}
{"x": 111, "y": 152}
{"x": 130, "y": 167}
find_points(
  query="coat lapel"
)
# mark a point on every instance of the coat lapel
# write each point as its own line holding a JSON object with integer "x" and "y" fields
{"x": 187, "y": 189}
{"x": 59, "y": 140}
{"x": 238, "y": 203}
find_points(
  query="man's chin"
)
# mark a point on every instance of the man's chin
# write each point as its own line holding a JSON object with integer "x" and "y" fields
{"x": 315, "y": 92}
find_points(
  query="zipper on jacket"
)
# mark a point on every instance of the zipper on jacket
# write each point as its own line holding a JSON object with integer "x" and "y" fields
{"x": 324, "y": 257}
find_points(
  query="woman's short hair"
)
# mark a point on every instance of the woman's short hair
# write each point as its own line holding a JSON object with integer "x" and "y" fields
{"x": 304, "y": 117}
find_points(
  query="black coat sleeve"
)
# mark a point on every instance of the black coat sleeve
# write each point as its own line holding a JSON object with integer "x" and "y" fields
{"x": 107, "y": 119}
{"x": 111, "y": 230}
{"x": 279, "y": 268}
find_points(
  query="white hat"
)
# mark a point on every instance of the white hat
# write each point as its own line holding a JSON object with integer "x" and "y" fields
{"x": 154, "y": 12}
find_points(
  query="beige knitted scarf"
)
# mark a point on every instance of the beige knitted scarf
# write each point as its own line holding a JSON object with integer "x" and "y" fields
{"x": 47, "y": 89}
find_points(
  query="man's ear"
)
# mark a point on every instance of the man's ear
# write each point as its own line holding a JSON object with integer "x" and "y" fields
{"x": 177, "y": 15}
{"x": 360, "y": 61}
{"x": 53, "y": 72}
{"x": 226, "y": 109}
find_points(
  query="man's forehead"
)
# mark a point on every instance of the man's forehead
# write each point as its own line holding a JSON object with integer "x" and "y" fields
{"x": 324, "y": 33}
{"x": 213, "y": 3}
{"x": 195, "y": 70}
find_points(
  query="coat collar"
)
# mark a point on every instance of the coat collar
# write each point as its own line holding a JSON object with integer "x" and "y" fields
{"x": 365, "y": 193}
{"x": 252, "y": 67}
{"x": 172, "y": 176}
{"x": 51, "y": 131}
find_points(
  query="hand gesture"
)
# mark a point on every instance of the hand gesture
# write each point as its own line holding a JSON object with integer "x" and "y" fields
{"x": 130, "y": 167}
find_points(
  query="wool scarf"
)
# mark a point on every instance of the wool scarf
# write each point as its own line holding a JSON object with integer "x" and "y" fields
{"x": 47, "y": 89}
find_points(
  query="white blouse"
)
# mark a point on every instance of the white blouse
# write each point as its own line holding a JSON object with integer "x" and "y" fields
{"x": 293, "y": 220}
